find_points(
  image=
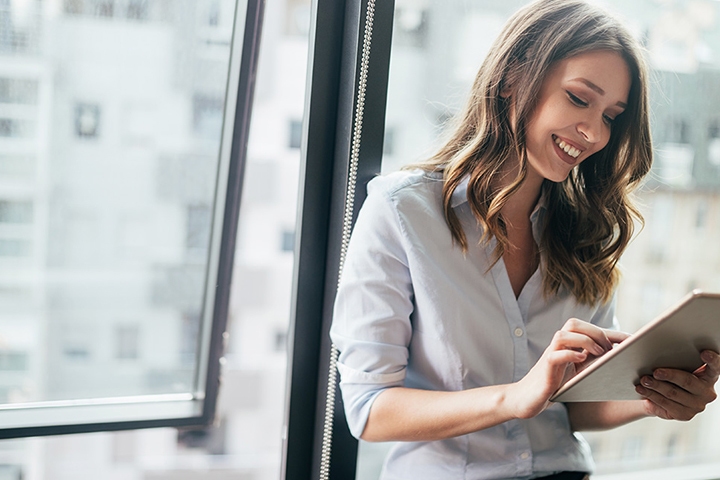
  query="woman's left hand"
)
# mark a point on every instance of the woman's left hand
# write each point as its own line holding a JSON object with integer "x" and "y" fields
{"x": 678, "y": 395}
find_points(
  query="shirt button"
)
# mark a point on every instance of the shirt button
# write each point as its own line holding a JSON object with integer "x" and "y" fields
{"x": 518, "y": 332}
{"x": 524, "y": 455}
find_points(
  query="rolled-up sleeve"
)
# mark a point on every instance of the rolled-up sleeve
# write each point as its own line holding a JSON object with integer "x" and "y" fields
{"x": 371, "y": 320}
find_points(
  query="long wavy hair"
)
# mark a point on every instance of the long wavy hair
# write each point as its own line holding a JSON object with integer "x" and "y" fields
{"x": 590, "y": 214}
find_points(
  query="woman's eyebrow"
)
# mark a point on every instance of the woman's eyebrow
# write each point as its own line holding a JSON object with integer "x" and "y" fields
{"x": 597, "y": 89}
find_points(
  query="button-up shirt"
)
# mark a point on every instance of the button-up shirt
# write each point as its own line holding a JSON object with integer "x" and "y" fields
{"x": 413, "y": 310}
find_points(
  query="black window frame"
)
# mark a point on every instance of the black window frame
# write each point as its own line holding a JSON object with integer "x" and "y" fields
{"x": 341, "y": 150}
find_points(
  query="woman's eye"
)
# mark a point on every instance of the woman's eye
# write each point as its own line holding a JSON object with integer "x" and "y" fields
{"x": 577, "y": 100}
{"x": 609, "y": 120}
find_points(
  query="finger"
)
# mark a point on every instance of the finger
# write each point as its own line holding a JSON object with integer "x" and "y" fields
{"x": 665, "y": 408}
{"x": 712, "y": 362}
{"x": 562, "y": 357}
{"x": 564, "y": 339}
{"x": 616, "y": 336}
{"x": 673, "y": 392}
{"x": 599, "y": 335}
{"x": 672, "y": 378}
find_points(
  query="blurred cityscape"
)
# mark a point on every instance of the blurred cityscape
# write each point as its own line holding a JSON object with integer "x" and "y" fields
{"x": 110, "y": 121}
{"x": 111, "y": 113}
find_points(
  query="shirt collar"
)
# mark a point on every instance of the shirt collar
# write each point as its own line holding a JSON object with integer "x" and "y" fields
{"x": 459, "y": 197}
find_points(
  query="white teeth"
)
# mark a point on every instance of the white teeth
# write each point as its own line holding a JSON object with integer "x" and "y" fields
{"x": 569, "y": 149}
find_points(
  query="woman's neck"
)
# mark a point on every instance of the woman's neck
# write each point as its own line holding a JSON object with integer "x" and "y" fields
{"x": 521, "y": 204}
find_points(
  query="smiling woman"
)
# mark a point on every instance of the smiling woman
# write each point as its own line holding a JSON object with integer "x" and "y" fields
{"x": 675, "y": 251}
{"x": 457, "y": 312}
{"x": 579, "y": 99}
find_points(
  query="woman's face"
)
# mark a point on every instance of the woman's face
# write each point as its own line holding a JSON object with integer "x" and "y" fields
{"x": 579, "y": 99}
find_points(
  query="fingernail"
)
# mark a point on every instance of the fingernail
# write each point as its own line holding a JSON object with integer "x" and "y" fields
{"x": 660, "y": 374}
{"x": 640, "y": 390}
{"x": 598, "y": 350}
{"x": 647, "y": 381}
{"x": 706, "y": 356}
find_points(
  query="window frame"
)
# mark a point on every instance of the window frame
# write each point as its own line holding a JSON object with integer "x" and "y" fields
{"x": 335, "y": 170}
{"x": 185, "y": 409}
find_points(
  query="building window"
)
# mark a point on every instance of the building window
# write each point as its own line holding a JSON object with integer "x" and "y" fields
{"x": 295, "y": 134}
{"x": 288, "y": 241}
{"x": 17, "y": 90}
{"x": 10, "y": 247}
{"x": 714, "y": 143}
{"x": 13, "y": 361}
{"x": 137, "y": 9}
{"x": 104, "y": 8}
{"x": 76, "y": 352}
{"x": 280, "y": 343}
{"x": 678, "y": 131}
{"x": 73, "y": 7}
{"x": 189, "y": 337}
{"x": 16, "y": 212}
{"x": 15, "y": 128}
{"x": 198, "y": 227}
{"x": 87, "y": 120}
{"x": 411, "y": 27}
{"x": 127, "y": 342}
{"x": 213, "y": 17}
{"x": 17, "y": 166}
{"x": 207, "y": 116}
{"x": 389, "y": 141}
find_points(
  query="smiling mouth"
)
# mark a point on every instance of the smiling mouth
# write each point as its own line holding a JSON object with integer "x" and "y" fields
{"x": 569, "y": 149}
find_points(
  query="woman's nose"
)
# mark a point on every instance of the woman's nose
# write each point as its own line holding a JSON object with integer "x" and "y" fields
{"x": 592, "y": 130}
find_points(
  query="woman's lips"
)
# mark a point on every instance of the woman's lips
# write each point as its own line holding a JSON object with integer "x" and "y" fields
{"x": 565, "y": 156}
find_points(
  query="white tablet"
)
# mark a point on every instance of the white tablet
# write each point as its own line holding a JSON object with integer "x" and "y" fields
{"x": 673, "y": 340}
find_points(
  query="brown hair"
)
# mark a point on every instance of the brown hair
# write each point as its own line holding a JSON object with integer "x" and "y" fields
{"x": 590, "y": 215}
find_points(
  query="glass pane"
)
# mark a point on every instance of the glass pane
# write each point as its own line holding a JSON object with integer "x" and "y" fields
{"x": 437, "y": 48}
{"x": 111, "y": 116}
{"x": 246, "y": 441}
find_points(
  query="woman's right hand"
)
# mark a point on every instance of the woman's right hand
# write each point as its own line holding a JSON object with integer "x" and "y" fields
{"x": 571, "y": 348}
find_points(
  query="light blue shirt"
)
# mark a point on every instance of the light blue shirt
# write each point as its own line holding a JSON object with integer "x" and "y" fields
{"x": 413, "y": 310}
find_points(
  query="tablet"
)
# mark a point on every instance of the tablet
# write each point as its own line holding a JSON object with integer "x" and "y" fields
{"x": 673, "y": 340}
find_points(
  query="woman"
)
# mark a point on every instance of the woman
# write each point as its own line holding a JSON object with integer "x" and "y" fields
{"x": 477, "y": 284}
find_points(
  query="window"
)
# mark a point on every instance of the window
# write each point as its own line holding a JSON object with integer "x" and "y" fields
{"x": 198, "y": 227}
{"x": 87, "y": 120}
{"x": 714, "y": 143}
{"x": 113, "y": 281}
{"x": 426, "y": 86}
{"x": 295, "y": 134}
{"x": 18, "y": 90}
{"x": 288, "y": 241}
{"x": 14, "y": 248}
{"x": 137, "y": 9}
{"x": 160, "y": 184}
{"x": 207, "y": 115}
{"x": 16, "y": 128}
{"x": 16, "y": 212}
